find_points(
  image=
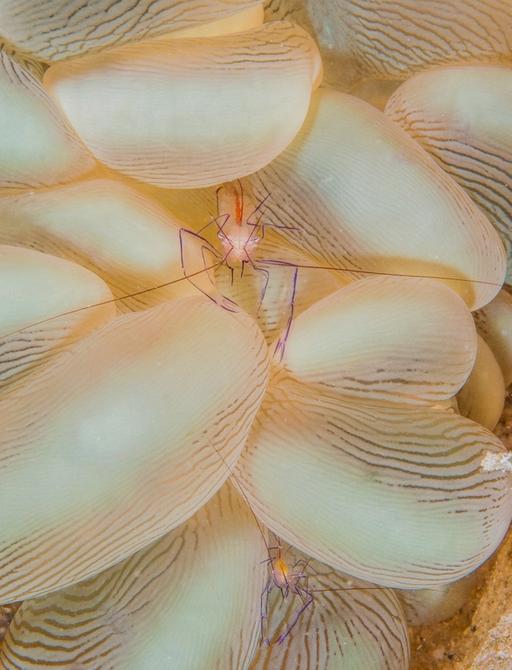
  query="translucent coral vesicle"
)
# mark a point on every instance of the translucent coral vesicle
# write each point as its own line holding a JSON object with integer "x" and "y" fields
{"x": 127, "y": 238}
{"x": 390, "y": 494}
{"x": 193, "y": 596}
{"x": 37, "y": 145}
{"x": 191, "y": 112}
{"x": 121, "y": 443}
{"x": 35, "y": 289}
{"x": 461, "y": 116}
{"x": 356, "y": 192}
{"x": 385, "y": 338}
{"x": 395, "y": 38}
{"x": 60, "y": 29}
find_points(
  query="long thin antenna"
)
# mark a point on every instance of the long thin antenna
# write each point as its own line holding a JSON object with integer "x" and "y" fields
{"x": 244, "y": 495}
{"x": 268, "y": 261}
{"x": 380, "y": 273}
{"x": 111, "y": 301}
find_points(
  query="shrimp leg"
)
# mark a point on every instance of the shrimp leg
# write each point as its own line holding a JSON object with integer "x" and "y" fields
{"x": 263, "y": 291}
{"x": 306, "y": 603}
{"x": 203, "y": 282}
{"x": 281, "y": 343}
{"x": 264, "y": 608}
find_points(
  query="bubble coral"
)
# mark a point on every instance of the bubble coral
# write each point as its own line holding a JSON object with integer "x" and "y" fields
{"x": 120, "y": 529}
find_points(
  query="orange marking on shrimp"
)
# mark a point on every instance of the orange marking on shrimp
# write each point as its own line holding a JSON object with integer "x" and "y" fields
{"x": 237, "y": 233}
{"x": 239, "y": 207}
{"x": 281, "y": 568}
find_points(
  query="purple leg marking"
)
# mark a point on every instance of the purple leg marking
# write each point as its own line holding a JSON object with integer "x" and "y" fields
{"x": 264, "y": 609}
{"x": 281, "y": 344}
{"x": 225, "y": 303}
{"x": 263, "y": 292}
{"x": 307, "y": 602}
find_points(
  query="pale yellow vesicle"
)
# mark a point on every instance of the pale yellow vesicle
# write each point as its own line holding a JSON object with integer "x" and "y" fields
{"x": 357, "y": 192}
{"x": 245, "y": 19}
{"x": 127, "y": 238}
{"x": 356, "y": 628}
{"x": 123, "y": 442}
{"x": 37, "y": 145}
{"x": 35, "y": 288}
{"x": 395, "y": 38}
{"x": 425, "y": 607}
{"x": 191, "y": 112}
{"x": 385, "y": 338}
{"x": 482, "y": 397}
{"x": 391, "y": 494}
{"x": 190, "y": 601}
{"x": 460, "y": 115}
{"x": 494, "y": 323}
{"x": 59, "y": 29}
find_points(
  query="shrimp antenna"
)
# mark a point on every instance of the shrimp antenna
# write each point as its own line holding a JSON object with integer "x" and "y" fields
{"x": 240, "y": 488}
{"x": 258, "y": 207}
{"x": 363, "y": 588}
{"x": 380, "y": 273}
{"x": 269, "y": 261}
{"x": 111, "y": 301}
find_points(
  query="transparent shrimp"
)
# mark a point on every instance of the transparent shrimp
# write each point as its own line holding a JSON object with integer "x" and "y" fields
{"x": 239, "y": 227}
{"x": 289, "y": 581}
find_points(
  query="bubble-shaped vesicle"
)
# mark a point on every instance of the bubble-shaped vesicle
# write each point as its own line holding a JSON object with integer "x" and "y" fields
{"x": 460, "y": 115}
{"x": 385, "y": 338}
{"x": 193, "y": 597}
{"x": 425, "y": 607}
{"x": 58, "y": 29}
{"x": 127, "y": 238}
{"x": 35, "y": 289}
{"x": 494, "y": 323}
{"x": 238, "y": 22}
{"x": 357, "y": 192}
{"x": 482, "y": 397}
{"x": 394, "y": 38}
{"x": 390, "y": 494}
{"x": 124, "y": 441}
{"x": 37, "y": 145}
{"x": 191, "y": 112}
{"x": 345, "y": 626}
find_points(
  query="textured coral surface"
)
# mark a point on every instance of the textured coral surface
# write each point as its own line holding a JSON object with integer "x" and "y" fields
{"x": 479, "y": 636}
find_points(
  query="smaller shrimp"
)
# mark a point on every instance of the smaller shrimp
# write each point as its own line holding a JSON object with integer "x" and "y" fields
{"x": 288, "y": 580}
